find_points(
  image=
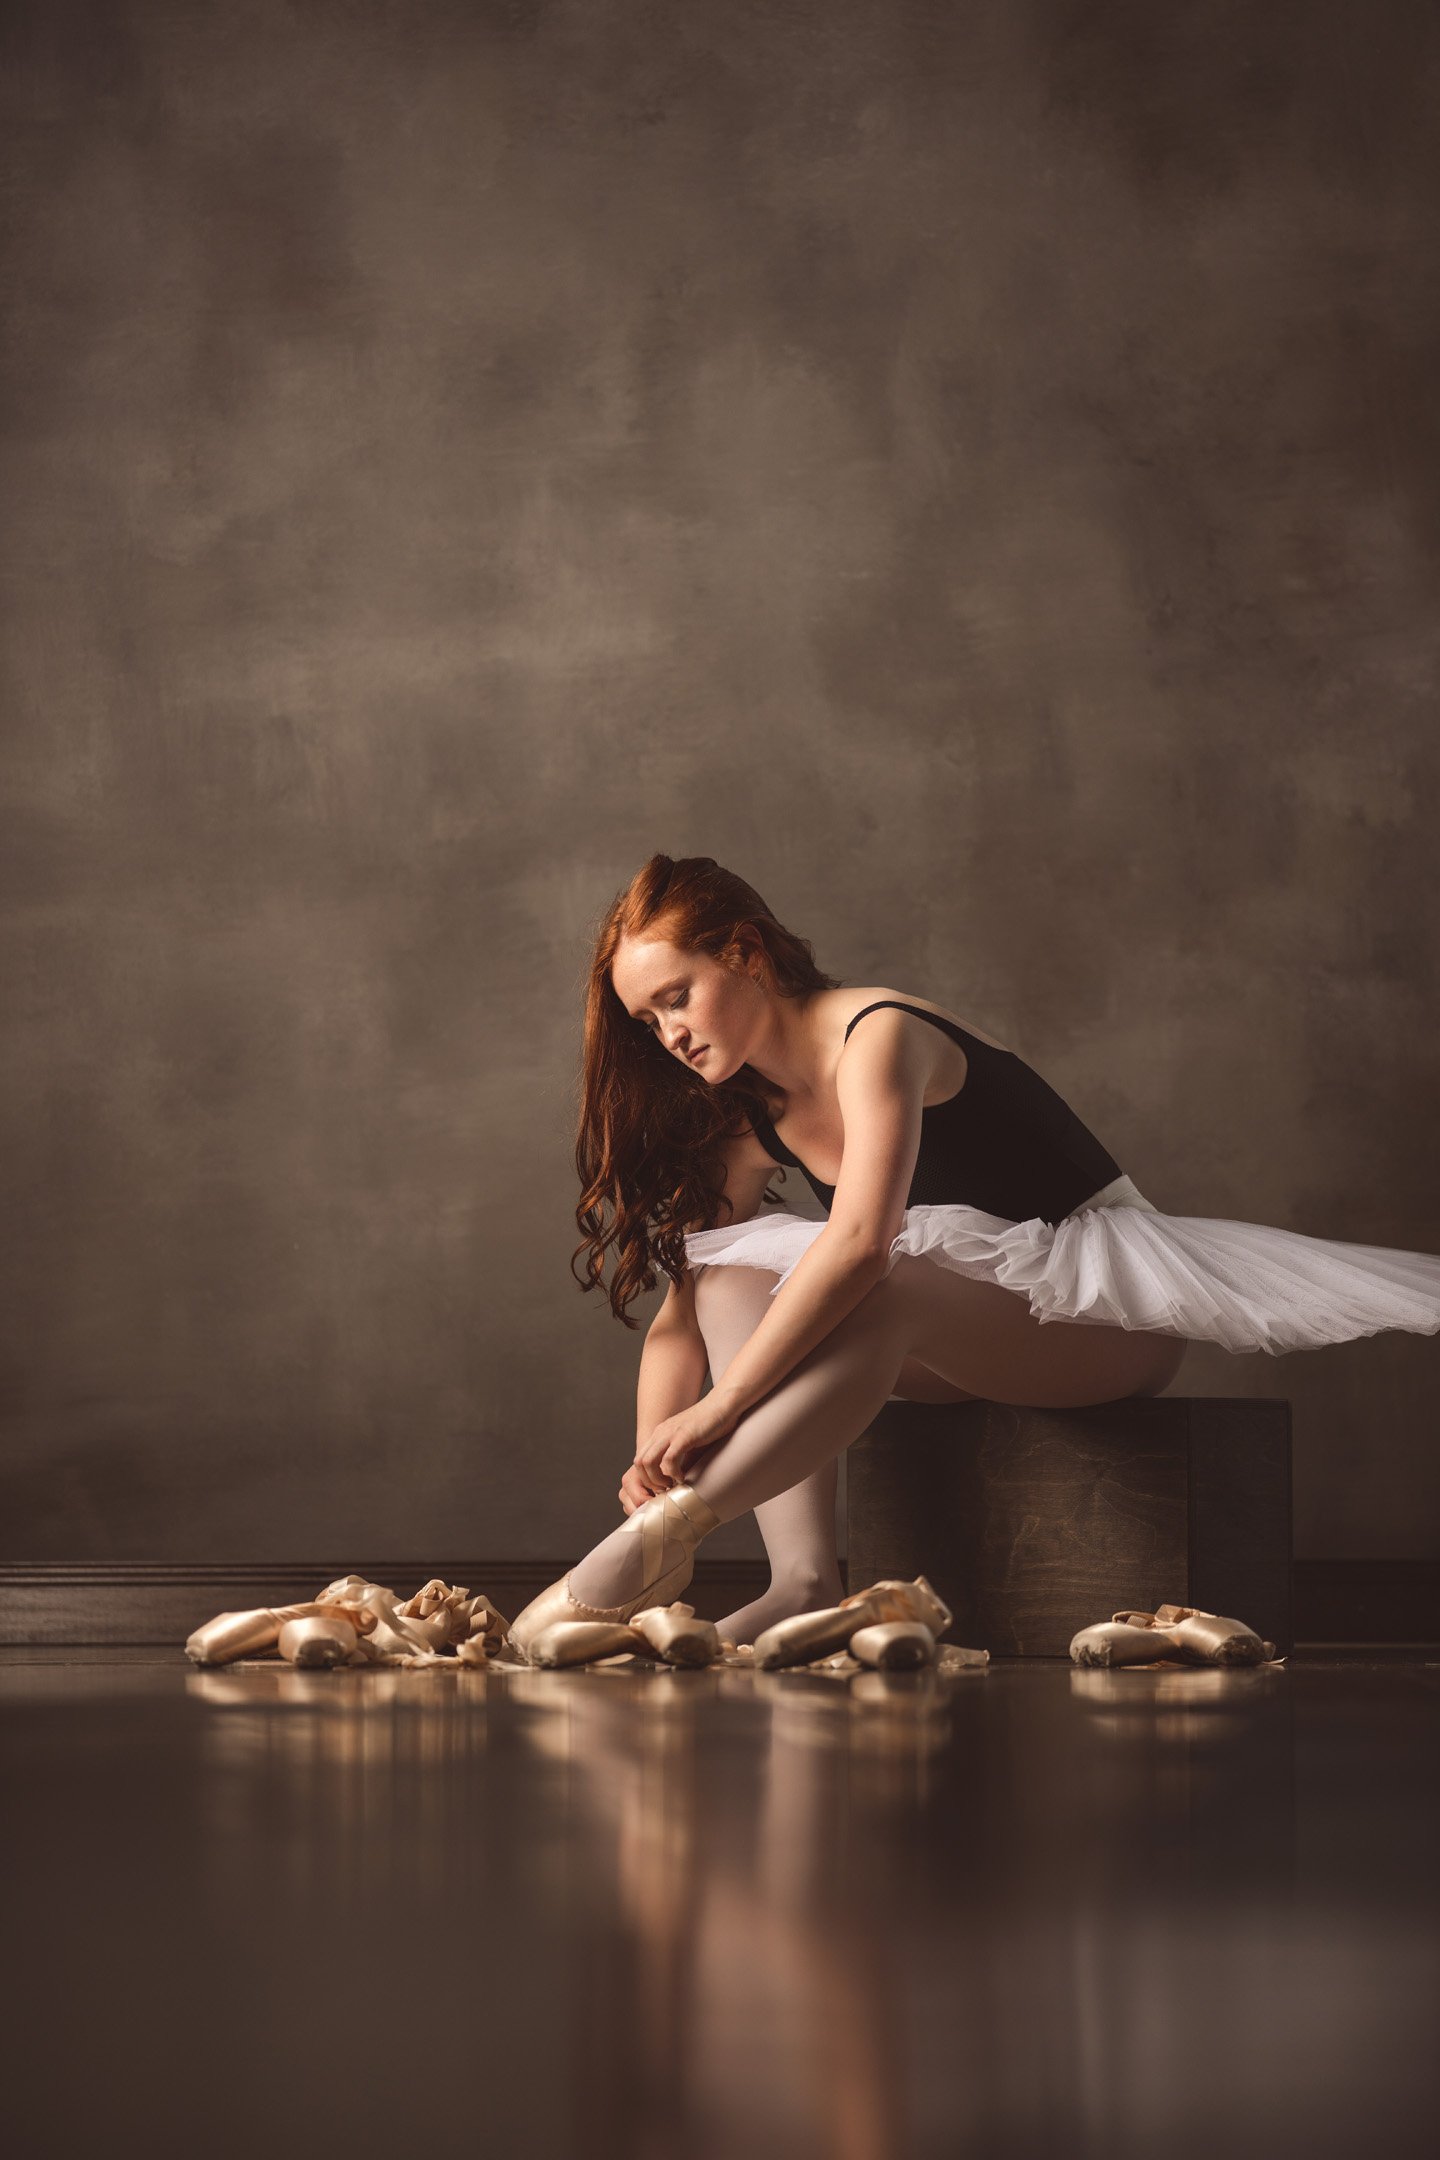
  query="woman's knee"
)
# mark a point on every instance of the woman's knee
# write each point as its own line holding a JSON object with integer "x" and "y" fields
{"x": 733, "y": 1285}
{"x": 1167, "y": 1364}
{"x": 732, "y": 1300}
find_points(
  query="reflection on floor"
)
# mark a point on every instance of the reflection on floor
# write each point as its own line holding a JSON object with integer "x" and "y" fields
{"x": 1031, "y": 1909}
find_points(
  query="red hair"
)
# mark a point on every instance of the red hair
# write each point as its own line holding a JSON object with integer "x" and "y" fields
{"x": 649, "y": 1139}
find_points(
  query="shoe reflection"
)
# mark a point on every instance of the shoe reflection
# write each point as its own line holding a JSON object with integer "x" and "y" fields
{"x": 1161, "y": 1705}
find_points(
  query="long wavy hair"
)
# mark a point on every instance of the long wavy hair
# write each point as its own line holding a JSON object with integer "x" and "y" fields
{"x": 648, "y": 1146}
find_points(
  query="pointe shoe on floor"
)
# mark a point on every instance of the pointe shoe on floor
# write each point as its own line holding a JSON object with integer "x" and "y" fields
{"x": 895, "y": 1600}
{"x": 894, "y": 1645}
{"x": 1208, "y": 1638}
{"x": 673, "y": 1633}
{"x": 804, "y": 1636}
{"x": 232, "y": 1635}
{"x": 677, "y": 1516}
{"x": 1118, "y": 1642}
{"x": 316, "y": 1641}
{"x": 582, "y": 1642}
{"x": 807, "y": 1636}
{"x": 1183, "y": 1632}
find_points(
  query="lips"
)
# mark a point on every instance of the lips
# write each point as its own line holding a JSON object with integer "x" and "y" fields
{"x": 696, "y": 1056}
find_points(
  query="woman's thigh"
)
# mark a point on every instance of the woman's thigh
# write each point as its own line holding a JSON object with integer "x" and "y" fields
{"x": 979, "y": 1340}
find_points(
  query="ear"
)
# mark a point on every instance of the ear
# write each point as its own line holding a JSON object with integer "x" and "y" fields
{"x": 747, "y": 937}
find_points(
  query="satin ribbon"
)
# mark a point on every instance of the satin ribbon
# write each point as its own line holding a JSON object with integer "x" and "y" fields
{"x": 430, "y": 1622}
{"x": 678, "y": 1514}
{"x": 1165, "y": 1616}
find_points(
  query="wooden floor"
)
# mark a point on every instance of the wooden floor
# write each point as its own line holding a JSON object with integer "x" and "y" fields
{"x": 1031, "y": 1910}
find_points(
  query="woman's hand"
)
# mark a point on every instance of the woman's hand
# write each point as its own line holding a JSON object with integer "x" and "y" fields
{"x": 634, "y": 1489}
{"x": 672, "y": 1449}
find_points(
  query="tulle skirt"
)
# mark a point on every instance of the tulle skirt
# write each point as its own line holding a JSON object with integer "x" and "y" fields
{"x": 1118, "y": 1262}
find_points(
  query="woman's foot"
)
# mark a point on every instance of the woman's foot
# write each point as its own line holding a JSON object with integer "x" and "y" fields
{"x": 648, "y": 1561}
{"x": 633, "y": 1559}
{"x": 780, "y": 1602}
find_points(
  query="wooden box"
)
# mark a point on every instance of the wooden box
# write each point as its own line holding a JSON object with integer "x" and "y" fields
{"x": 1034, "y": 1523}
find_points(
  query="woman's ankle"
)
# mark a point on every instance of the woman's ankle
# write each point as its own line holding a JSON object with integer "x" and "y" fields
{"x": 811, "y": 1589}
{"x": 787, "y": 1596}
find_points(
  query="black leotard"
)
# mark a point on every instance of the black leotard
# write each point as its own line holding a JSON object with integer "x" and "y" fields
{"x": 1006, "y": 1143}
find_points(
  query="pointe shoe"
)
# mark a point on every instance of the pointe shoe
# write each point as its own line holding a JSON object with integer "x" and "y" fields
{"x": 678, "y": 1515}
{"x": 1119, "y": 1642}
{"x": 674, "y": 1634}
{"x": 232, "y": 1635}
{"x": 807, "y": 1636}
{"x": 318, "y": 1642}
{"x": 1210, "y": 1639}
{"x": 894, "y": 1600}
{"x": 894, "y": 1645}
{"x": 581, "y": 1642}
{"x": 1179, "y": 1631}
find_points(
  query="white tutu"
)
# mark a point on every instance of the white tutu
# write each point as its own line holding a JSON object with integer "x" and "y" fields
{"x": 1118, "y": 1262}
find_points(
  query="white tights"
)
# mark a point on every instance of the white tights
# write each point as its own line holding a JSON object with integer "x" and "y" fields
{"x": 797, "y": 1525}
{"x": 782, "y": 1457}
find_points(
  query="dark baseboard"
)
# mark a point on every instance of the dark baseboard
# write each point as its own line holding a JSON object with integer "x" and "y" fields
{"x": 1339, "y": 1604}
{"x": 145, "y": 1601}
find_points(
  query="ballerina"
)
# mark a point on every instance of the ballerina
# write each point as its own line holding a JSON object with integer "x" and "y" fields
{"x": 979, "y": 1241}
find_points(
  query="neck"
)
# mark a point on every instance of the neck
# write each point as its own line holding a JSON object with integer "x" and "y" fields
{"x": 789, "y": 1050}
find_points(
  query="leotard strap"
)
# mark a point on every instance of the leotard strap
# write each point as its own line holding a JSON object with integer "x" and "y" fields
{"x": 951, "y": 1027}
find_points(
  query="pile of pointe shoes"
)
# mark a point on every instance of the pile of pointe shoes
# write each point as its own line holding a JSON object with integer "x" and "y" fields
{"x": 355, "y": 1622}
{"x": 891, "y": 1627}
{"x": 1171, "y": 1635}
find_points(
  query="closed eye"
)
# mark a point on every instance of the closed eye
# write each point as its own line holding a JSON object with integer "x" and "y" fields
{"x": 674, "y": 1006}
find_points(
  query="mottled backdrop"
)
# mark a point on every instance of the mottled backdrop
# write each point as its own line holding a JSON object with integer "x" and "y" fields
{"x": 972, "y": 469}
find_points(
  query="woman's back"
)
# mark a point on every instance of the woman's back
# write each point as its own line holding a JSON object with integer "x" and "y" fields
{"x": 1004, "y": 1141}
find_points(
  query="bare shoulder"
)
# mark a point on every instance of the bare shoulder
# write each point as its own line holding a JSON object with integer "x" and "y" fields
{"x": 850, "y": 1002}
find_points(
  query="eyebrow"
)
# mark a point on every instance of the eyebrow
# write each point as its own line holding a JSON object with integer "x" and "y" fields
{"x": 673, "y": 984}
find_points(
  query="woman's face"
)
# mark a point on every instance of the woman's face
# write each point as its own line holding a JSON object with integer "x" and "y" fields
{"x": 697, "y": 1010}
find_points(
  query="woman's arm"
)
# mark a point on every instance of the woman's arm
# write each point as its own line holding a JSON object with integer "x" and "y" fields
{"x": 881, "y": 1078}
{"x": 675, "y": 1362}
{"x": 827, "y": 1282}
{"x": 673, "y": 1366}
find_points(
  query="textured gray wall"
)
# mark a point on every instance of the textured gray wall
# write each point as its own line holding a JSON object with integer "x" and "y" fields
{"x": 971, "y": 469}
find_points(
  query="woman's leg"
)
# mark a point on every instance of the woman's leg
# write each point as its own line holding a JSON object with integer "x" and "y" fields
{"x": 799, "y": 1429}
{"x": 977, "y": 1335}
{"x": 798, "y": 1525}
